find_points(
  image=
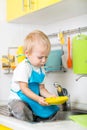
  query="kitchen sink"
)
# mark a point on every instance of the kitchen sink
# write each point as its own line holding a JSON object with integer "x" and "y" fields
{"x": 61, "y": 115}
{"x": 64, "y": 115}
{"x": 78, "y": 111}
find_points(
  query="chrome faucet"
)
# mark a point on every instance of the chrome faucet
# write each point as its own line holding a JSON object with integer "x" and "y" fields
{"x": 63, "y": 92}
{"x": 84, "y": 75}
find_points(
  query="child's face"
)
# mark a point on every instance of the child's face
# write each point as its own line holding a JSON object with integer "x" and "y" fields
{"x": 39, "y": 56}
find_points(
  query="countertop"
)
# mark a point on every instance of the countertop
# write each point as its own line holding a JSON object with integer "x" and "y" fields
{"x": 16, "y": 124}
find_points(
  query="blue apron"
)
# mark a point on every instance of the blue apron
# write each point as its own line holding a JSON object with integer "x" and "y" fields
{"x": 33, "y": 84}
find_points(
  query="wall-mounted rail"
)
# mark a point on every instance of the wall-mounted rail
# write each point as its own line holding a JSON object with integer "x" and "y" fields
{"x": 71, "y": 31}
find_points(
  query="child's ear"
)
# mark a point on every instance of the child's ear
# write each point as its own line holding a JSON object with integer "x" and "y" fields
{"x": 26, "y": 53}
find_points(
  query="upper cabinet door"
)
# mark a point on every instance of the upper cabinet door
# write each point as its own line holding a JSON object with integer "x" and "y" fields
{"x": 46, "y": 3}
{"x": 42, "y": 12}
{"x": 18, "y": 8}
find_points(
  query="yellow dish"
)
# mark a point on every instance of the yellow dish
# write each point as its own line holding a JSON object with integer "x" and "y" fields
{"x": 56, "y": 100}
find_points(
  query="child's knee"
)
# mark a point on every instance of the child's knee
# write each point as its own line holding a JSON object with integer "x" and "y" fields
{"x": 21, "y": 111}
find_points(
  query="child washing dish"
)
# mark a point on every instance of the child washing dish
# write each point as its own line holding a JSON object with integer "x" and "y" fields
{"x": 28, "y": 92}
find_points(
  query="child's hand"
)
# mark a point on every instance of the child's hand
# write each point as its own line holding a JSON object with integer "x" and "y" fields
{"x": 41, "y": 100}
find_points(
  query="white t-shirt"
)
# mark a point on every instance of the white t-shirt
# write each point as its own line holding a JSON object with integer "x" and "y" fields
{"x": 21, "y": 73}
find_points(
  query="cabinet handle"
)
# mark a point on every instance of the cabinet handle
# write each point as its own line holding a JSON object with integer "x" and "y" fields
{"x": 23, "y": 5}
{"x": 29, "y": 4}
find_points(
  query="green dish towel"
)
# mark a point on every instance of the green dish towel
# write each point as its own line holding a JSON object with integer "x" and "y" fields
{"x": 80, "y": 119}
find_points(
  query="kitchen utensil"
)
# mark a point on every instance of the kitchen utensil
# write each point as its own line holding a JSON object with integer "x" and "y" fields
{"x": 64, "y": 59}
{"x": 69, "y": 60}
{"x": 63, "y": 92}
{"x": 56, "y": 100}
{"x": 62, "y": 41}
{"x": 79, "y": 54}
{"x": 61, "y": 37}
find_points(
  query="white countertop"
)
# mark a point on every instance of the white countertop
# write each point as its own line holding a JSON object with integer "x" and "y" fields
{"x": 22, "y": 125}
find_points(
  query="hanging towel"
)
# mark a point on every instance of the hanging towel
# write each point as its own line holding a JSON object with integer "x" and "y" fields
{"x": 54, "y": 62}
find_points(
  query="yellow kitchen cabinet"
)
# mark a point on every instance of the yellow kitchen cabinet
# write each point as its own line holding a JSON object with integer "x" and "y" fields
{"x": 18, "y": 8}
{"x": 46, "y": 3}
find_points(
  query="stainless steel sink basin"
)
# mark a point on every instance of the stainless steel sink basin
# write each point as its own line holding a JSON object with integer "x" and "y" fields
{"x": 61, "y": 115}
{"x": 64, "y": 115}
{"x": 78, "y": 111}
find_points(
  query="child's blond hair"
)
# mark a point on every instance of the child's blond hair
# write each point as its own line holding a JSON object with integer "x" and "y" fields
{"x": 36, "y": 38}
